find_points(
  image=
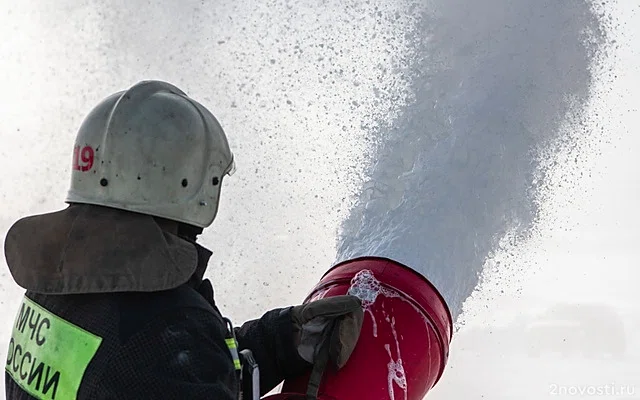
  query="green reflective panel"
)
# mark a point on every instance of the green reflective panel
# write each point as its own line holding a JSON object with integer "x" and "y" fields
{"x": 47, "y": 355}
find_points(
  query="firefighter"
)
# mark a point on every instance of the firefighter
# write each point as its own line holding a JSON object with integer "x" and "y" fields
{"x": 116, "y": 304}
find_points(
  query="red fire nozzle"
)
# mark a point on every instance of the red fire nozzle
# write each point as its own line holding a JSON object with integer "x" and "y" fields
{"x": 404, "y": 343}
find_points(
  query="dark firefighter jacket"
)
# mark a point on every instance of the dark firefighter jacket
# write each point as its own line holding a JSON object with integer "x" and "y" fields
{"x": 117, "y": 308}
{"x": 163, "y": 345}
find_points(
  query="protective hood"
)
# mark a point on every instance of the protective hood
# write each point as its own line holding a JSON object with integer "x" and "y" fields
{"x": 93, "y": 249}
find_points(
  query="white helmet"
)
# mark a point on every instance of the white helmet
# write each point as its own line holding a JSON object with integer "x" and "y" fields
{"x": 152, "y": 150}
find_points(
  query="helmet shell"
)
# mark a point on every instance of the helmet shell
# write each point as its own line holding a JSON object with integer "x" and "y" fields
{"x": 153, "y": 150}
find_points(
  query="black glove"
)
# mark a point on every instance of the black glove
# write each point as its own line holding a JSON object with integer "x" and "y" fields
{"x": 328, "y": 325}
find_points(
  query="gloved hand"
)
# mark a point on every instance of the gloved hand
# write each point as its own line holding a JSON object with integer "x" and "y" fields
{"x": 328, "y": 325}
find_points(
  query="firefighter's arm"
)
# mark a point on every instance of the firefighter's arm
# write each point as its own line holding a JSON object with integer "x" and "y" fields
{"x": 271, "y": 340}
{"x": 286, "y": 342}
